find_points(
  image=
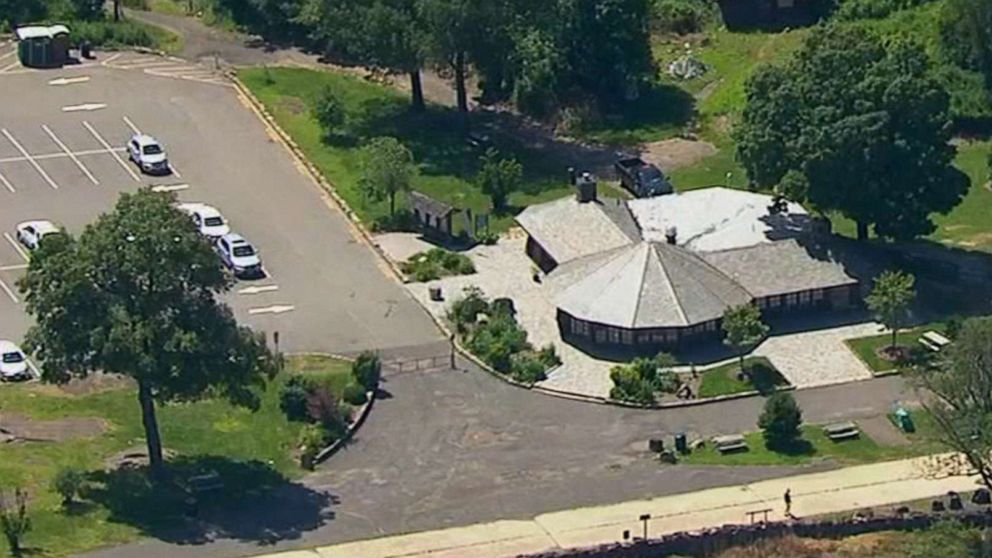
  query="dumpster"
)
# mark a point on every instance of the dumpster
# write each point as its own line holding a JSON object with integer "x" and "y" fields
{"x": 43, "y": 47}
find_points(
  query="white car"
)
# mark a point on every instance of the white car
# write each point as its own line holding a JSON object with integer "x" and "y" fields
{"x": 30, "y": 233}
{"x": 208, "y": 219}
{"x": 148, "y": 154}
{"x": 13, "y": 363}
{"x": 239, "y": 256}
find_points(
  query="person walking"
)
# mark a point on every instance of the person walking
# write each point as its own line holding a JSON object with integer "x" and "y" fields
{"x": 788, "y": 502}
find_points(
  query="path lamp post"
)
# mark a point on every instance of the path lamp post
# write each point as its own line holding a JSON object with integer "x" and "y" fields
{"x": 644, "y": 519}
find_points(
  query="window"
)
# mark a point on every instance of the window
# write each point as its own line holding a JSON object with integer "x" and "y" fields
{"x": 774, "y": 301}
{"x": 671, "y": 336}
{"x": 791, "y": 299}
{"x": 613, "y": 334}
{"x": 627, "y": 337}
{"x": 804, "y": 297}
{"x": 817, "y": 294}
{"x": 244, "y": 251}
{"x": 762, "y": 302}
{"x": 658, "y": 336}
{"x": 213, "y": 221}
{"x": 579, "y": 327}
{"x": 711, "y": 326}
{"x": 11, "y": 358}
{"x": 600, "y": 335}
{"x": 152, "y": 149}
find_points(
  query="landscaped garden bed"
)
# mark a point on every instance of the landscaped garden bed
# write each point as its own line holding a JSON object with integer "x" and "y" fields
{"x": 435, "y": 264}
{"x": 877, "y": 351}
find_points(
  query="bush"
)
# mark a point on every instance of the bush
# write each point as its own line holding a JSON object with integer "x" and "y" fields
{"x": 436, "y": 263}
{"x": 780, "y": 421}
{"x": 527, "y": 369}
{"x": 324, "y": 409}
{"x": 366, "y": 371}
{"x": 628, "y": 385}
{"x": 293, "y": 398}
{"x": 683, "y": 16}
{"x": 463, "y": 312}
{"x": 497, "y": 340}
{"x": 67, "y": 483}
{"x": 313, "y": 438}
{"x": 549, "y": 356}
{"x": 488, "y": 238}
{"x": 873, "y": 9}
{"x": 329, "y": 111}
{"x": 503, "y": 307}
{"x": 111, "y": 34}
{"x": 354, "y": 394}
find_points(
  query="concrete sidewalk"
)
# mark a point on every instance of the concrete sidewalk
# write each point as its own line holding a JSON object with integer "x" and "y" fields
{"x": 813, "y": 494}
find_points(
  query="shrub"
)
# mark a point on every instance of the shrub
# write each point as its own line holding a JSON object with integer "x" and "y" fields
{"x": 628, "y": 385}
{"x": 67, "y": 483}
{"x": 873, "y": 9}
{"x": 436, "y": 263}
{"x": 503, "y": 306}
{"x": 463, "y": 311}
{"x": 111, "y": 34}
{"x": 324, "y": 409}
{"x": 682, "y": 16}
{"x": 488, "y": 238}
{"x": 293, "y": 398}
{"x": 313, "y": 438}
{"x": 366, "y": 371}
{"x": 527, "y": 369}
{"x": 780, "y": 421}
{"x": 354, "y": 394}
{"x": 329, "y": 111}
{"x": 14, "y": 520}
{"x": 549, "y": 356}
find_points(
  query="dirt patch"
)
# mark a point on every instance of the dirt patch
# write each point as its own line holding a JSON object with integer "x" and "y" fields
{"x": 292, "y": 105}
{"x": 15, "y": 427}
{"x": 94, "y": 383}
{"x": 676, "y": 153}
{"x": 882, "y": 431}
{"x": 896, "y": 354}
{"x": 135, "y": 457}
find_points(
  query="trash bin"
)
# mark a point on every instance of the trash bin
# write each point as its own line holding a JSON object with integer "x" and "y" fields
{"x": 904, "y": 421}
{"x": 681, "y": 445}
{"x": 656, "y": 445}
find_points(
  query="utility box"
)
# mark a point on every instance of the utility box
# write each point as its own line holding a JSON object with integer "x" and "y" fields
{"x": 43, "y": 47}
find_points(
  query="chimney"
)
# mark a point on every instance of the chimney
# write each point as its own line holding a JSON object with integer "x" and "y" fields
{"x": 586, "y": 188}
{"x": 571, "y": 176}
{"x": 671, "y": 235}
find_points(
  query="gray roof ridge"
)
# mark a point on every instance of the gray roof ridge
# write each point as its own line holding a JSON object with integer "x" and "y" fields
{"x": 671, "y": 286}
{"x": 640, "y": 289}
{"x": 690, "y": 255}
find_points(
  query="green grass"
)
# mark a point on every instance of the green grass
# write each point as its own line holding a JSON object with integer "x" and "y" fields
{"x": 817, "y": 447}
{"x": 447, "y": 163}
{"x": 865, "y": 347}
{"x": 722, "y": 380}
{"x": 249, "y": 449}
{"x": 968, "y": 225}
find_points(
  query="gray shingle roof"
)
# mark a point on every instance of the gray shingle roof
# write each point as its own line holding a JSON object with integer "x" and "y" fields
{"x": 567, "y": 229}
{"x": 781, "y": 267}
{"x": 646, "y": 285}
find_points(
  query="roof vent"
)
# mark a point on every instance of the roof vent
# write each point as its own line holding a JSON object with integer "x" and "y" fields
{"x": 671, "y": 235}
{"x": 586, "y": 188}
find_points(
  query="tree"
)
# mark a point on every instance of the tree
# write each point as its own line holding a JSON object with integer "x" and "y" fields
{"x": 498, "y": 178}
{"x": 780, "y": 421}
{"x": 19, "y": 12}
{"x": 366, "y": 370}
{"x": 387, "y": 169}
{"x": 451, "y": 27}
{"x": 743, "y": 329}
{"x": 14, "y": 520}
{"x": 864, "y": 122}
{"x": 890, "y": 298}
{"x": 966, "y": 35}
{"x": 67, "y": 483}
{"x": 88, "y": 10}
{"x": 136, "y": 295}
{"x": 328, "y": 111}
{"x": 960, "y": 399}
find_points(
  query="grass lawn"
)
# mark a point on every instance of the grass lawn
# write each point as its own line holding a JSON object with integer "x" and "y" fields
{"x": 865, "y": 347}
{"x": 251, "y": 451}
{"x": 818, "y": 447}
{"x": 447, "y": 163}
{"x": 722, "y": 380}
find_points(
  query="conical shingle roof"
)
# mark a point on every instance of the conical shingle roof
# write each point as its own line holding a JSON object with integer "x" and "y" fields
{"x": 649, "y": 285}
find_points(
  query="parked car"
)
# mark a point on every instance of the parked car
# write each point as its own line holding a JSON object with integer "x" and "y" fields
{"x": 30, "y": 233}
{"x": 13, "y": 363}
{"x": 239, "y": 256}
{"x": 642, "y": 179}
{"x": 148, "y": 154}
{"x": 207, "y": 218}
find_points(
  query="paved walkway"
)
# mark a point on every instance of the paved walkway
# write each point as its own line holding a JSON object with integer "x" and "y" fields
{"x": 818, "y": 358}
{"x": 813, "y": 494}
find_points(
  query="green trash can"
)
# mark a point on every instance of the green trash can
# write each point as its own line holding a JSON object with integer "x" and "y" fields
{"x": 681, "y": 444}
{"x": 904, "y": 421}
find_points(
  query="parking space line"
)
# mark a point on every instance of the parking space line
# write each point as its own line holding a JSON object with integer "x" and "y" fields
{"x": 8, "y": 55}
{"x": 148, "y": 64}
{"x": 175, "y": 172}
{"x": 15, "y": 267}
{"x": 111, "y": 59}
{"x": 7, "y": 184}
{"x": 10, "y": 293}
{"x": 30, "y": 159}
{"x": 75, "y": 159}
{"x": 17, "y": 247}
{"x": 10, "y": 66}
{"x": 61, "y": 155}
{"x": 111, "y": 150}
{"x": 136, "y": 130}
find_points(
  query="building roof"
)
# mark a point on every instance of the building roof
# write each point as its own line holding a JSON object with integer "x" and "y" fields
{"x": 646, "y": 285}
{"x": 781, "y": 267}
{"x": 567, "y": 229}
{"x": 715, "y": 219}
{"x": 427, "y": 204}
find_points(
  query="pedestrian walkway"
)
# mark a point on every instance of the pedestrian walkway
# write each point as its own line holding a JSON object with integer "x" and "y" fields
{"x": 835, "y": 491}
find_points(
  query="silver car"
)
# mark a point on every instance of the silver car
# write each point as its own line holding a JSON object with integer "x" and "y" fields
{"x": 148, "y": 154}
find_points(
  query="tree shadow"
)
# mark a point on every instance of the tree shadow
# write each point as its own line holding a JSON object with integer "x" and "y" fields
{"x": 792, "y": 448}
{"x": 255, "y": 503}
{"x": 764, "y": 378}
{"x": 662, "y": 105}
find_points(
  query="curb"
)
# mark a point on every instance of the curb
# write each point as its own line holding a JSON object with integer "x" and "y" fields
{"x": 360, "y": 417}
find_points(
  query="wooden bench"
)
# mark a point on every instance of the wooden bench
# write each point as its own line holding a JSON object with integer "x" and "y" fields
{"x": 934, "y": 341}
{"x": 730, "y": 443}
{"x": 752, "y": 514}
{"x": 841, "y": 431}
{"x": 208, "y": 482}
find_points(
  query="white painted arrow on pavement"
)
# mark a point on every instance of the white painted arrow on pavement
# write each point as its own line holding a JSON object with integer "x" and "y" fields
{"x": 258, "y": 289}
{"x": 85, "y": 107}
{"x": 69, "y": 81}
{"x": 276, "y": 309}
{"x": 170, "y": 187}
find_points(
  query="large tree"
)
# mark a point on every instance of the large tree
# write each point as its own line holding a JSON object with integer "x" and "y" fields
{"x": 136, "y": 295}
{"x": 453, "y": 30}
{"x": 961, "y": 395}
{"x": 866, "y": 125}
{"x": 966, "y": 35}
{"x": 387, "y": 169}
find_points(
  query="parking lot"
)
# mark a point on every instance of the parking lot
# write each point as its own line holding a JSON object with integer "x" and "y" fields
{"x": 62, "y": 158}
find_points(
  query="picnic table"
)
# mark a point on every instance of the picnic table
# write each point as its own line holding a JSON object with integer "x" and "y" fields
{"x": 729, "y": 443}
{"x": 841, "y": 431}
{"x": 934, "y": 341}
